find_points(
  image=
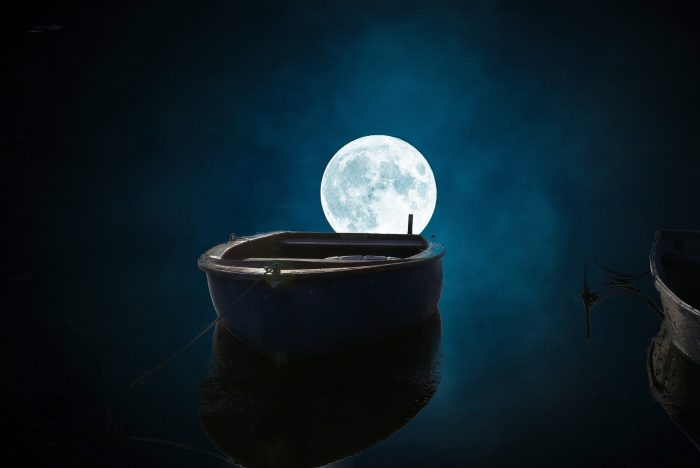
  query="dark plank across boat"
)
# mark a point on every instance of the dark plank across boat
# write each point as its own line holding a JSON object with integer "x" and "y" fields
{"x": 289, "y": 295}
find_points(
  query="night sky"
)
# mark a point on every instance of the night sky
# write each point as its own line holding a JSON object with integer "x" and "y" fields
{"x": 137, "y": 136}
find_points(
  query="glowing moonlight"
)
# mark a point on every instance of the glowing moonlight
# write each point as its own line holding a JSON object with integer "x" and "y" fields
{"x": 373, "y": 183}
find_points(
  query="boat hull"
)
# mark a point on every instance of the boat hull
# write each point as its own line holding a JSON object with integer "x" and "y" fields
{"x": 675, "y": 267}
{"x": 302, "y": 315}
{"x": 683, "y": 326}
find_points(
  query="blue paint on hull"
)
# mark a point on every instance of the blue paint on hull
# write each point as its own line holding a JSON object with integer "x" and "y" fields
{"x": 303, "y": 316}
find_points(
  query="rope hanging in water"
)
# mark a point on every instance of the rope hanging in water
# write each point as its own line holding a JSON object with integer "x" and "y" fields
{"x": 273, "y": 268}
{"x": 617, "y": 282}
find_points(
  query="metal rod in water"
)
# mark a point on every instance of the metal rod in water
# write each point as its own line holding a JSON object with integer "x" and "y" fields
{"x": 410, "y": 223}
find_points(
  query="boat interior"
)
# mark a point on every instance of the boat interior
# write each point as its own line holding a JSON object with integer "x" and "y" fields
{"x": 679, "y": 256}
{"x": 326, "y": 247}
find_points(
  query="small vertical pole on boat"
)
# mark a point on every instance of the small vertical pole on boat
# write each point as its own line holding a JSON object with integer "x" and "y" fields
{"x": 410, "y": 223}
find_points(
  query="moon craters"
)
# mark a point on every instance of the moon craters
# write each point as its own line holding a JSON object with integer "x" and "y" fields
{"x": 373, "y": 183}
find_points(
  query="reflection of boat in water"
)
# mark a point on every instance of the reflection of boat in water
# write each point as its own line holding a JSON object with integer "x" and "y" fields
{"x": 675, "y": 382}
{"x": 292, "y": 294}
{"x": 317, "y": 411}
{"x": 673, "y": 364}
{"x": 675, "y": 266}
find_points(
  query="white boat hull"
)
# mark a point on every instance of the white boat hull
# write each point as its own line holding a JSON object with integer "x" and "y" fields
{"x": 675, "y": 267}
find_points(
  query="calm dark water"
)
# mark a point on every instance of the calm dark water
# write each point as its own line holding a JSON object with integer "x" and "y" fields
{"x": 138, "y": 136}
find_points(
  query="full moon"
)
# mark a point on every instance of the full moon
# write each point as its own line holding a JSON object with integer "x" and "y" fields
{"x": 373, "y": 183}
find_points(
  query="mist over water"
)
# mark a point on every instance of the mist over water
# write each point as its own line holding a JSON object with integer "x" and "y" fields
{"x": 141, "y": 137}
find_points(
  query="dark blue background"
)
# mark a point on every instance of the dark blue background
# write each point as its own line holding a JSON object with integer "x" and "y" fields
{"x": 137, "y": 136}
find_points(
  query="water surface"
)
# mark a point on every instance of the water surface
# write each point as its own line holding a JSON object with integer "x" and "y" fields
{"x": 139, "y": 137}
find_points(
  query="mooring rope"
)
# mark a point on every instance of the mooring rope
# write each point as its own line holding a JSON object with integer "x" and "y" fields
{"x": 184, "y": 446}
{"x": 618, "y": 282}
{"x": 272, "y": 268}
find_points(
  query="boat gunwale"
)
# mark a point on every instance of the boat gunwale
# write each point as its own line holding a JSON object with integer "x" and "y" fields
{"x": 658, "y": 271}
{"x": 211, "y": 261}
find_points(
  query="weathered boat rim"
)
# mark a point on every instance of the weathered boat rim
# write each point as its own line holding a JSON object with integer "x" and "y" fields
{"x": 211, "y": 261}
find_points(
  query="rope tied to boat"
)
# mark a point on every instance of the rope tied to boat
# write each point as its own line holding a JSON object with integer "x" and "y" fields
{"x": 272, "y": 268}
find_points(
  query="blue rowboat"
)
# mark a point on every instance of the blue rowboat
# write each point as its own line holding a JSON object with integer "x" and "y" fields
{"x": 290, "y": 295}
